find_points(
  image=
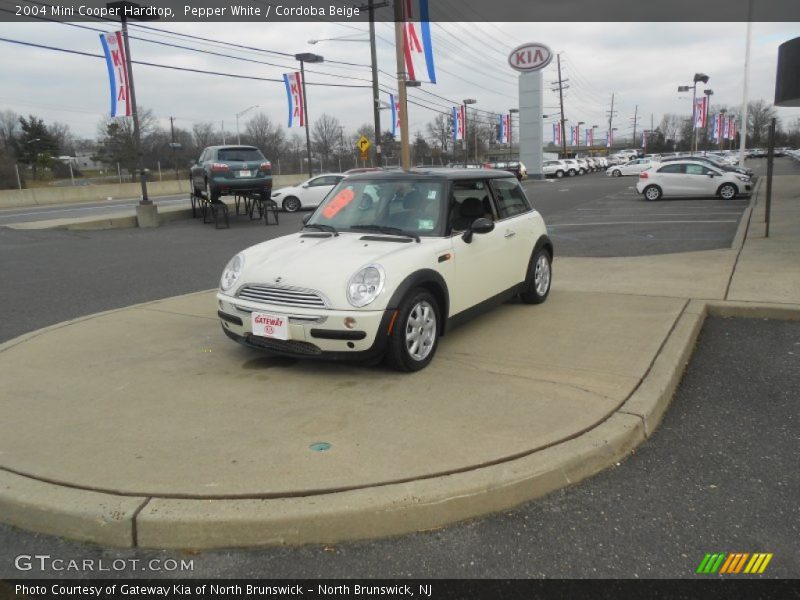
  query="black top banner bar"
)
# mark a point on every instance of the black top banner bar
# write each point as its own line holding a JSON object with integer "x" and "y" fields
{"x": 532, "y": 11}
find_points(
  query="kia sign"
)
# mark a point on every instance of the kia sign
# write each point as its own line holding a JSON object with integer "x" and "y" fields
{"x": 530, "y": 57}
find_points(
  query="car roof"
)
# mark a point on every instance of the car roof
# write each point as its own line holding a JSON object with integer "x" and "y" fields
{"x": 434, "y": 173}
{"x": 231, "y": 146}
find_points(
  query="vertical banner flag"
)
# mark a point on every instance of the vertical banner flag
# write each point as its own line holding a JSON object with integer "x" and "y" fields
{"x": 557, "y": 134}
{"x": 726, "y": 127}
{"x": 590, "y": 137}
{"x": 504, "y": 129}
{"x": 458, "y": 122}
{"x": 609, "y": 138}
{"x": 577, "y": 135}
{"x": 732, "y": 128}
{"x": 715, "y": 127}
{"x": 114, "y": 49}
{"x": 417, "y": 38}
{"x": 294, "y": 95}
{"x": 644, "y": 140}
{"x": 700, "y": 112}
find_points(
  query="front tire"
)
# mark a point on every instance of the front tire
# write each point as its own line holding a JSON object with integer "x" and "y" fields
{"x": 559, "y": 174}
{"x": 291, "y": 204}
{"x": 537, "y": 281}
{"x": 415, "y": 336}
{"x": 616, "y": 173}
{"x": 572, "y": 172}
{"x": 212, "y": 194}
{"x": 652, "y": 193}
{"x": 727, "y": 191}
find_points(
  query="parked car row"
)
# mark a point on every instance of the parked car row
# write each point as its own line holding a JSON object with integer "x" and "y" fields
{"x": 569, "y": 167}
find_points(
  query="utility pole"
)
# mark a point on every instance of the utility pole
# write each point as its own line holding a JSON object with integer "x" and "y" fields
{"x": 561, "y": 88}
{"x": 173, "y": 145}
{"x": 376, "y": 101}
{"x": 635, "y": 123}
{"x": 610, "y": 122}
{"x": 399, "y": 43}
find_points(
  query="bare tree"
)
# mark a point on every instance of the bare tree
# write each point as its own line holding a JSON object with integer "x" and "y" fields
{"x": 439, "y": 133}
{"x": 203, "y": 134}
{"x": 670, "y": 126}
{"x": 262, "y": 133}
{"x": 326, "y": 135}
{"x": 9, "y": 124}
{"x": 759, "y": 114}
{"x": 63, "y": 137}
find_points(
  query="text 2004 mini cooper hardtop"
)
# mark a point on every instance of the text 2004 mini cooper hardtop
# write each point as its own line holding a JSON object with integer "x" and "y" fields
{"x": 386, "y": 265}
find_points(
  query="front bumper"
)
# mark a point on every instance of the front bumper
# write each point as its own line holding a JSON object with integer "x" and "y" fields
{"x": 313, "y": 333}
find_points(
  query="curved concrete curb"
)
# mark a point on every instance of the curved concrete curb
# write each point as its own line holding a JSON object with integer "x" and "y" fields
{"x": 117, "y": 520}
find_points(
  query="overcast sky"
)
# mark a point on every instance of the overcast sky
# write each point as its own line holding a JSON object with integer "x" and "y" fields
{"x": 641, "y": 63}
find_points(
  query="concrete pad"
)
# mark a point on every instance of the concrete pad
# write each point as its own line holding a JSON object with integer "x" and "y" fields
{"x": 388, "y": 510}
{"x": 58, "y": 510}
{"x": 685, "y": 275}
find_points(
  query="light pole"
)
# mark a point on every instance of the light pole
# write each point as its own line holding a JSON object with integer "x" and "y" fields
{"x": 464, "y": 137}
{"x": 122, "y": 8}
{"x": 685, "y": 88}
{"x": 239, "y": 114}
{"x": 305, "y": 57}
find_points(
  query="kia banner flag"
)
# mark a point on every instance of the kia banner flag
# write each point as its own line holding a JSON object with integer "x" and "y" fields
{"x": 557, "y": 134}
{"x": 590, "y": 137}
{"x": 609, "y": 138}
{"x": 114, "y": 49}
{"x": 503, "y": 129}
{"x": 715, "y": 127}
{"x": 576, "y": 136}
{"x": 457, "y": 115}
{"x": 417, "y": 41}
{"x": 732, "y": 128}
{"x": 726, "y": 124}
{"x": 294, "y": 96}
{"x": 700, "y": 112}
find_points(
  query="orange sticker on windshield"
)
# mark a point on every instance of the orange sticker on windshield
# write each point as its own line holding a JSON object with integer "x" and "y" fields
{"x": 341, "y": 200}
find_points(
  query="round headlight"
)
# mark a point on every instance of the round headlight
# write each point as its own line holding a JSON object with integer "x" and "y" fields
{"x": 231, "y": 273}
{"x": 365, "y": 285}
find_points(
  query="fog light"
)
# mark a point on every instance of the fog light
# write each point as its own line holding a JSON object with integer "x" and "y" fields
{"x": 349, "y": 322}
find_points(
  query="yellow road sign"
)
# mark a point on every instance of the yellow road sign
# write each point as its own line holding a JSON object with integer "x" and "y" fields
{"x": 363, "y": 144}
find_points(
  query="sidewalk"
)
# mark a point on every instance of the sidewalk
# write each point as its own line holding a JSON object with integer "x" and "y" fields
{"x": 145, "y": 426}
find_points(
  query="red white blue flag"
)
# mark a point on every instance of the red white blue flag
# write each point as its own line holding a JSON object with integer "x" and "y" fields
{"x": 418, "y": 45}
{"x": 726, "y": 129}
{"x": 114, "y": 49}
{"x": 504, "y": 129}
{"x": 700, "y": 112}
{"x": 716, "y": 126}
{"x": 294, "y": 96}
{"x": 731, "y": 128}
{"x": 457, "y": 116}
{"x": 609, "y": 139}
{"x": 589, "y": 137}
{"x": 394, "y": 104}
{"x": 557, "y": 134}
{"x": 576, "y": 135}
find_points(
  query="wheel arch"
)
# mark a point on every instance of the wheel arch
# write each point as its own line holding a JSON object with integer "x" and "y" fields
{"x": 431, "y": 281}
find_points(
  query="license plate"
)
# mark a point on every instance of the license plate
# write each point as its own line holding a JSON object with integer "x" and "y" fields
{"x": 271, "y": 326}
{"x": 245, "y": 173}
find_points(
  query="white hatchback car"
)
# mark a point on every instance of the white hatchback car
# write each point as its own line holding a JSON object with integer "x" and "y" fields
{"x": 308, "y": 194}
{"x": 634, "y": 167}
{"x": 554, "y": 168}
{"x": 690, "y": 178}
{"x": 386, "y": 265}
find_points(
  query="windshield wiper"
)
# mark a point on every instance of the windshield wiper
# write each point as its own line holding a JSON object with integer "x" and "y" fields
{"x": 321, "y": 227}
{"x": 387, "y": 230}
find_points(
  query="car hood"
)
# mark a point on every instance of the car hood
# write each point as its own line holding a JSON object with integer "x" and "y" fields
{"x": 326, "y": 264}
{"x": 285, "y": 190}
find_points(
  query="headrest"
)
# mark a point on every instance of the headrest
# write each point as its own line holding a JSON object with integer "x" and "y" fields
{"x": 412, "y": 200}
{"x": 471, "y": 208}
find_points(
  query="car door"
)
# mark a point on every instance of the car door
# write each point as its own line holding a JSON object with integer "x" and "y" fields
{"x": 477, "y": 276}
{"x": 516, "y": 222}
{"x": 197, "y": 171}
{"x": 670, "y": 178}
{"x": 701, "y": 180}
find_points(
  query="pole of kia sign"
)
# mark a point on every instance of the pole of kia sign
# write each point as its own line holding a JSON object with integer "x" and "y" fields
{"x": 529, "y": 60}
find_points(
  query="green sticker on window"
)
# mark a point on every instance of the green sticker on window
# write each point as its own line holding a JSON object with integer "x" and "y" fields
{"x": 425, "y": 224}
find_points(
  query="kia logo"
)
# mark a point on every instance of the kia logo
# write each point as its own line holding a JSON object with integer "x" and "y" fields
{"x": 530, "y": 57}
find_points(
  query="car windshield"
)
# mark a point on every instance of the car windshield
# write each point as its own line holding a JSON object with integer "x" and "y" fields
{"x": 401, "y": 205}
{"x": 239, "y": 155}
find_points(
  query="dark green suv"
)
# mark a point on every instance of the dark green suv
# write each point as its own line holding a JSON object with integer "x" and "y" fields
{"x": 222, "y": 170}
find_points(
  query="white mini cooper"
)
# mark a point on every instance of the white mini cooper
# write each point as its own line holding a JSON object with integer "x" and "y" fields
{"x": 387, "y": 264}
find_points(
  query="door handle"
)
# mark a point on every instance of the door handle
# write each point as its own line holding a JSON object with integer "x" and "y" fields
{"x": 510, "y": 234}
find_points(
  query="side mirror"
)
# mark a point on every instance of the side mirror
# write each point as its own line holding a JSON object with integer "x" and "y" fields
{"x": 711, "y": 175}
{"x": 480, "y": 225}
{"x": 306, "y": 217}
{"x": 305, "y": 185}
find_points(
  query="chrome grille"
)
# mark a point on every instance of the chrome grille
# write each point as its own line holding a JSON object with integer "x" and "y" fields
{"x": 284, "y": 296}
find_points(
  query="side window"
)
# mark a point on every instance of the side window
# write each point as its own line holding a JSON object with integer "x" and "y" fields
{"x": 469, "y": 200}
{"x": 671, "y": 169}
{"x": 203, "y": 157}
{"x": 511, "y": 200}
{"x": 695, "y": 170}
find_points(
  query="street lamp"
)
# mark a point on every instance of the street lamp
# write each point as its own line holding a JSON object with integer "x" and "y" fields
{"x": 464, "y": 133}
{"x": 305, "y": 57}
{"x": 239, "y": 114}
{"x": 123, "y": 8}
{"x": 698, "y": 77}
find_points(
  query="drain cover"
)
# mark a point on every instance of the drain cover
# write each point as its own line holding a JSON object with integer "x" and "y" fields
{"x": 320, "y": 446}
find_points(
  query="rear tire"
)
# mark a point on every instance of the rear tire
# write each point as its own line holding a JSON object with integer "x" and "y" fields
{"x": 212, "y": 193}
{"x": 616, "y": 173}
{"x": 538, "y": 279}
{"x": 415, "y": 335}
{"x": 652, "y": 193}
{"x": 559, "y": 174}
